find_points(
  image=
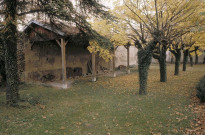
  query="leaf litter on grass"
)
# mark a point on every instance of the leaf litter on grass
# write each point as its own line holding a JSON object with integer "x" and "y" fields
{"x": 165, "y": 110}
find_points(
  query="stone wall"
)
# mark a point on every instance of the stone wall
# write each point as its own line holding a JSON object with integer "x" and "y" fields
{"x": 121, "y": 57}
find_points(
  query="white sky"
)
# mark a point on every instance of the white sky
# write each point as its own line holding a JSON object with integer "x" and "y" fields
{"x": 107, "y": 3}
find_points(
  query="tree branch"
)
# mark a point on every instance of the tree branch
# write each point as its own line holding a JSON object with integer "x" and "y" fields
{"x": 31, "y": 12}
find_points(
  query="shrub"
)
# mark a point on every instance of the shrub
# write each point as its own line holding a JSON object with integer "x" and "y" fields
{"x": 201, "y": 89}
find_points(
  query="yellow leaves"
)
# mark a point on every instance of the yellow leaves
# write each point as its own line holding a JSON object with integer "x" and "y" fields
{"x": 194, "y": 38}
{"x": 156, "y": 134}
{"x": 200, "y": 39}
{"x": 78, "y": 123}
{"x": 192, "y": 53}
{"x": 103, "y": 53}
{"x": 62, "y": 128}
{"x": 94, "y": 47}
{"x": 44, "y": 117}
{"x": 115, "y": 31}
{"x": 127, "y": 124}
{"x": 119, "y": 39}
{"x": 41, "y": 106}
{"x": 103, "y": 27}
{"x": 178, "y": 113}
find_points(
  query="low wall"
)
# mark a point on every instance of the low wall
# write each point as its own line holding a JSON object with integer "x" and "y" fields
{"x": 121, "y": 57}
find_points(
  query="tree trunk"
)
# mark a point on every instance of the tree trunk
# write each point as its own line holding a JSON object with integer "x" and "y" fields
{"x": 93, "y": 67}
{"x": 163, "y": 71}
{"x": 144, "y": 61}
{"x": 186, "y": 54}
{"x": 196, "y": 58}
{"x": 143, "y": 67}
{"x": 177, "y": 62}
{"x": 113, "y": 60}
{"x": 128, "y": 60}
{"x": 191, "y": 60}
{"x": 10, "y": 45}
{"x": 2, "y": 71}
{"x": 162, "y": 64}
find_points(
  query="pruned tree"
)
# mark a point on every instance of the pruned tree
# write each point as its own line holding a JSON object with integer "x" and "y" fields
{"x": 192, "y": 43}
{"x": 187, "y": 42}
{"x": 199, "y": 46}
{"x": 183, "y": 43}
{"x": 185, "y": 14}
{"x": 144, "y": 61}
{"x": 154, "y": 25}
{"x": 175, "y": 48}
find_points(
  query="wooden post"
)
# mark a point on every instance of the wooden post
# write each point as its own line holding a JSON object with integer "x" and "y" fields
{"x": 93, "y": 68}
{"x": 113, "y": 60}
{"x": 63, "y": 44}
{"x": 128, "y": 59}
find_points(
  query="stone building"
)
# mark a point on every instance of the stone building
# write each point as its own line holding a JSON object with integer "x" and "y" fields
{"x": 53, "y": 53}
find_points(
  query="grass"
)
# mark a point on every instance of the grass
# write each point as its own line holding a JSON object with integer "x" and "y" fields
{"x": 108, "y": 106}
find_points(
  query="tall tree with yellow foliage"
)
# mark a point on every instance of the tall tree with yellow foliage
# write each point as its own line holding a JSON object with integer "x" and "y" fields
{"x": 155, "y": 24}
{"x": 115, "y": 31}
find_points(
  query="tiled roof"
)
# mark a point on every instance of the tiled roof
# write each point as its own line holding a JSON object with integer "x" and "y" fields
{"x": 54, "y": 29}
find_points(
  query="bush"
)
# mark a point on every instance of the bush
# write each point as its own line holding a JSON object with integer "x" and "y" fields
{"x": 201, "y": 89}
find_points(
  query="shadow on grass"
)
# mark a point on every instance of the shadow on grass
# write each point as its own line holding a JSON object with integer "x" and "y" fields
{"x": 26, "y": 101}
{"x": 18, "y": 106}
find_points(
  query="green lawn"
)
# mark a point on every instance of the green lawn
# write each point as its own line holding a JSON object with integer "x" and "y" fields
{"x": 108, "y": 106}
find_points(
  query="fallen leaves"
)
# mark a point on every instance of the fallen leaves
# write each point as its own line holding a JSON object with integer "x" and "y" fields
{"x": 198, "y": 108}
{"x": 41, "y": 106}
{"x": 110, "y": 106}
{"x": 78, "y": 123}
{"x": 127, "y": 124}
{"x": 44, "y": 117}
{"x": 178, "y": 113}
{"x": 152, "y": 133}
{"x": 62, "y": 128}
